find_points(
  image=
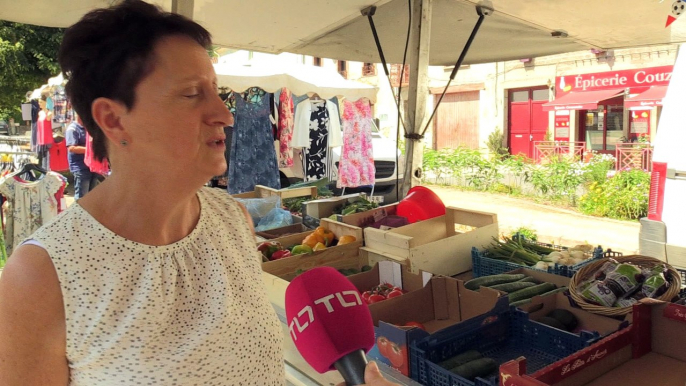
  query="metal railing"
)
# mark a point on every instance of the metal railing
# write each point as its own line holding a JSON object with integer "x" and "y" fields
{"x": 546, "y": 151}
{"x": 634, "y": 155}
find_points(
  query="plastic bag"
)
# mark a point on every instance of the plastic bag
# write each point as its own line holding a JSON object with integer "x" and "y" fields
{"x": 260, "y": 207}
{"x": 276, "y": 218}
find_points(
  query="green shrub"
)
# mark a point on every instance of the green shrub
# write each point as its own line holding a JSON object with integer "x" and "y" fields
{"x": 495, "y": 144}
{"x": 624, "y": 196}
{"x": 529, "y": 233}
{"x": 559, "y": 179}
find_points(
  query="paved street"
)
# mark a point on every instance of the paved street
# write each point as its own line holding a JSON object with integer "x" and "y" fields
{"x": 561, "y": 226}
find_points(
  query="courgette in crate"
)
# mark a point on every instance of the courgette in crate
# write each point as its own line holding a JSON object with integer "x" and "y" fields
{"x": 512, "y": 287}
{"x": 476, "y": 368}
{"x": 460, "y": 359}
{"x": 530, "y": 279}
{"x": 487, "y": 281}
{"x": 528, "y": 293}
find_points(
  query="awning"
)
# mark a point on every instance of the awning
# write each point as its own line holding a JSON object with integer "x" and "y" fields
{"x": 583, "y": 100}
{"x": 650, "y": 98}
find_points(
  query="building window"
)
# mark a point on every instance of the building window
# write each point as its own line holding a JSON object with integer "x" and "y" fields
{"x": 317, "y": 61}
{"x": 369, "y": 69}
{"x": 343, "y": 68}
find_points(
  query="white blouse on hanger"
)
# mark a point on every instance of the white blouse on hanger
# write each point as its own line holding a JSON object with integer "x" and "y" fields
{"x": 301, "y": 127}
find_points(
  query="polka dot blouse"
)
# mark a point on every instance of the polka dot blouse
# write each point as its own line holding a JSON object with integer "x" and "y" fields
{"x": 190, "y": 313}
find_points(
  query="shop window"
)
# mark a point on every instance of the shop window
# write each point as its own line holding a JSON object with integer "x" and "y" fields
{"x": 369, "y": 69}
{"x": 520, "y": 96}
{"x": 343, "y": 68}
{"x": 604, "y": 127}
{"x": 540, "y": 95}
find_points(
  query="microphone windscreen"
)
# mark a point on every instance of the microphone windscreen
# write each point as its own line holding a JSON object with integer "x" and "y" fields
{"x": 327, "y": 318}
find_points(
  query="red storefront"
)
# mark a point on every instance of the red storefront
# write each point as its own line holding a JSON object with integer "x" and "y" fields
{"x": 604, "y": 108}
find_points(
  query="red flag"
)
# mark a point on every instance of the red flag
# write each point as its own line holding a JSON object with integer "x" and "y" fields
{"x": 670, "y": 20}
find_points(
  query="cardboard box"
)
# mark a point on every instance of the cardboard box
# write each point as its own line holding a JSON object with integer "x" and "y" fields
{"x": 441, "y": 303}
{"x": 650, "y": 352}
{"x": 542, "y": 306}
{"x": 335, "y": 256}
{"x": 434, "y": 245}
{"x": 265, "y": 191}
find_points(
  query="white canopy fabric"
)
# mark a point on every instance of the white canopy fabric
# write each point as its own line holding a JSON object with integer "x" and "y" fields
{"x": 336, "y": 29}
{"x": 299, "y": 79}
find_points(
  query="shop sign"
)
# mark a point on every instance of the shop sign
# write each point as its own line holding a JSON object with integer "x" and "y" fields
{"x": 562, "y": 127}
{"x": 640, "y": 121}
{"x": 633, "y": 79}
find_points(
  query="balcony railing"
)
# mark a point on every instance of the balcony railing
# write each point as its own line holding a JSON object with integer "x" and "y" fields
{"x": 634, "y": 155}
{"x": 546, "y": 151}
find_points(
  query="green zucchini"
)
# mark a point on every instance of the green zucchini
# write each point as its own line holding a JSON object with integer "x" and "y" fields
{"x": 476, "y": 368}
{"x": 512, "y": 287}
{"x": 521, "y": 302}
{"x": 529, "y": 279}
{"x": 460, "y": 359}
{"x": 528, "y": 293}
{"x": 487, "y": 281}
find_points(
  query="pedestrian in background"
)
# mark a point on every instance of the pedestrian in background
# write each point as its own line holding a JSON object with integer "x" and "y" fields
{"x": 84, "y": 179}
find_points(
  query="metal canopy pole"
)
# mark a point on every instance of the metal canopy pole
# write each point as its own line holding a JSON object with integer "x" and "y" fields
{"x": 418, "y": 92}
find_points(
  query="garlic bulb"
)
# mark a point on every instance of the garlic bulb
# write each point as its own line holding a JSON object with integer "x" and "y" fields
{"x": 577, "y": 255}
{"x": 541, "y": 265}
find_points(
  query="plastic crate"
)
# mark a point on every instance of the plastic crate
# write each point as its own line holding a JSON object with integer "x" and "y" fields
{"x": 482, "y": 265}
{"x": 501, "y": 336}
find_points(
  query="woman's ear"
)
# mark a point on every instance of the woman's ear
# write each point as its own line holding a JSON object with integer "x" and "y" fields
{"x": 108, "y": 113}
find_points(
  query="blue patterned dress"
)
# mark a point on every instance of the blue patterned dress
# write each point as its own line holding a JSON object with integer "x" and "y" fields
{"x": 253, "y": 157}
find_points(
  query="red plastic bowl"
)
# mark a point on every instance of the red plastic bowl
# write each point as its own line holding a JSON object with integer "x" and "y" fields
{"x": 421, "y": 203}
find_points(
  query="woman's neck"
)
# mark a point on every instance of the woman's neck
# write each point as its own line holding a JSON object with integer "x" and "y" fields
{"x": 146, "y": 212}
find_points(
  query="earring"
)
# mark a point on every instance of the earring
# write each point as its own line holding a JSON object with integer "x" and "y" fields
{"x": 123, "y": 142}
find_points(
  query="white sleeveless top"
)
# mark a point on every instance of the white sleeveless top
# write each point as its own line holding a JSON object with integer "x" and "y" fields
{"x": 190, "y": 313}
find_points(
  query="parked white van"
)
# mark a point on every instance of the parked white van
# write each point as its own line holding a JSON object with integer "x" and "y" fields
{"x": 663, "y": 232}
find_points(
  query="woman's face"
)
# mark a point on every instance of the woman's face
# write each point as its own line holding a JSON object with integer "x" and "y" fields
{"x": 176, "y": 124}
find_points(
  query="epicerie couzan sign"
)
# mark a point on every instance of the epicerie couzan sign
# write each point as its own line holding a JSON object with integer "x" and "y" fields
{"x": 638, "y": 78}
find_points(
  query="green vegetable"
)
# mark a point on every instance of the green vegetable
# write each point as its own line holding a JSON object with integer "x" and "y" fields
{"x": 460, "y": 359}
{"x": 487, "y": 281}
{"x": 529, "y": 279}
{"x": 366, "y": 268}
{"x": 517, "y": 251}
{"x": 512, "y": 287}
{"x": 476, "y": 368}
{"x": 565, "y": 317}
{"x": 552, "y": 322}
{"x": 528, "y": 293}
{"x": 520, "y": 302}
{"x": 560, "y": 289}
{"x": 358, "y": 206}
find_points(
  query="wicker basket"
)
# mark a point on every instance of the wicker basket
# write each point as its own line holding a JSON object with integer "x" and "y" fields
{"x": 643, "y": 261}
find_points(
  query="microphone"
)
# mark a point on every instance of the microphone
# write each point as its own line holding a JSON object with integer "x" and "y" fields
{"x": 329, "y": 323}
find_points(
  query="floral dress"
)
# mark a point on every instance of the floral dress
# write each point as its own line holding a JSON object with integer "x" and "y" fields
{"x": 285, "y": 129}
{"x": 356, "y": 166}
{"x": 316, "y": 159}
{"x": 29, "y": 205}
{"x": 253, "y": 157}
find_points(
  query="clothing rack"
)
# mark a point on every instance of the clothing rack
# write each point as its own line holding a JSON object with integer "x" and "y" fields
{"x": 19, "y": 153}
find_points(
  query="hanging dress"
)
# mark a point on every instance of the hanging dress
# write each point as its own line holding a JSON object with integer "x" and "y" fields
{"x": 356, "y": 166}
{"x": 253, "y": 157}
{"x": 317, "y": 134}
{"x": 285, "y": 129}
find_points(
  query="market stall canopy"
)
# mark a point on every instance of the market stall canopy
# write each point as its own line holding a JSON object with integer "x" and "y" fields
{"x": 647, "y": 99}
{"x": 583, "y": 100}
{"x": 299, "y": 79}
{"x": 336, "y": 29}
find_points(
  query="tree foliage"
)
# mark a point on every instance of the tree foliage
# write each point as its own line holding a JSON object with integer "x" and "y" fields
{"x": 28, "y": 57}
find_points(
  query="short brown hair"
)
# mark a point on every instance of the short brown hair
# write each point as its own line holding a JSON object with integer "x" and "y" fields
{"x": 109, "y": 52}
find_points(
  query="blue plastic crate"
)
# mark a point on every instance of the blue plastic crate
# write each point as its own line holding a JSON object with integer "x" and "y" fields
{"x": 482, "y": 265}
{"x": 501, "y": 336}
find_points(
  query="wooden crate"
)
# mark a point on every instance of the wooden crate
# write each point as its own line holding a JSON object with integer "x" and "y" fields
{"x": 364, "y": 219}
{"x": 265, "y": 191}
{"x": 324, "y": 207}
{"x": 269, "y": 234}
{"x": 341, "y": 256}
{"x": 435, "y": 245}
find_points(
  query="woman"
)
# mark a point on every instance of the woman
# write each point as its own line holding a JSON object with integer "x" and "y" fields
{"x": 149, "y": 279}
